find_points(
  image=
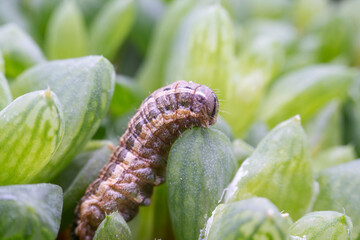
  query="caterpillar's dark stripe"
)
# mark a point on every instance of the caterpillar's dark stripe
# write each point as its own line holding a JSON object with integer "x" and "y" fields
{"x": 138, "y": 162}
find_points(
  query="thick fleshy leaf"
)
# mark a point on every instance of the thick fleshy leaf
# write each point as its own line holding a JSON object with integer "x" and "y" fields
{"x": 263, "y": 47}
{"x": 224, "y": 127}
{"x": 67, "y": 176}
{"x": 256, "y": 133}
{"x": 84, "y": 87}
{"x": 339, "y": 191}
{"x": 305, "y": 91}
{"x": 243, "y": 95}
{"x": 38, "y": 14}
{"x": 332, "y": 157}
{"x": 148, "y": 14}
{"x": 351, "y": 126}
{"x": 339, "y": 31}
{"x": 152, "y": 74}
{"x": 127, "y": 96}
{"x": 153, "y": 222}
{"x": 19, "y": 50}
{"x": 323, "y": 225}
{"x": 32, "y": 128}
{"x": 279, "y": 169}
{"x": 81, "y": 171}
{"x": 5, "y": 94}
{"x": 261, "y": 57}
{"x": 200, "y": 166}
{"x": 306, "y": 11}
{"x": 2, "y": 63}
{"x": 242, "y": 150}
{"x": 254, "y": 218}
{"x": 90, "y": 9}
{"x": 242, "y": 10}
{"x": 113, "y": 227}
{"x": 110, "y": 27}
{"x": 11, "y": 12}
{"x": 30, "y": 211}
{"x": 203, "y": 48}
{"x": 324, "y": 130}
{"x": 348, "y": 11}
{"x": 66, "y": 35}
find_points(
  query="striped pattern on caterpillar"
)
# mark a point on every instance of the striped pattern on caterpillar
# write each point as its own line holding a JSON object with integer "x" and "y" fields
{"x": 139, "y": 161}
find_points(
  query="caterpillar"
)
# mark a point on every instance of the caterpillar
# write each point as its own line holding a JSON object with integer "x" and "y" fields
{"x": 138, "y": 163}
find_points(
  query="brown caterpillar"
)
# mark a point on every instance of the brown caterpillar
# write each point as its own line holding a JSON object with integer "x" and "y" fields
{"x": 139, "y": 161}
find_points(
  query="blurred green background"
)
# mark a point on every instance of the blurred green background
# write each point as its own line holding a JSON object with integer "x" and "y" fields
{"x": 267, "y": 61}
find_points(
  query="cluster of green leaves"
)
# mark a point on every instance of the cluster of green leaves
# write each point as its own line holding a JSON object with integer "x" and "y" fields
{"x": 271, "y": 63}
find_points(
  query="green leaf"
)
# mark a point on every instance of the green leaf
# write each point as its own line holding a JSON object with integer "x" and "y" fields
{"x": 333, "y": 156}
{"x": 339, "y": 191}
{"x": 256, "y": 133}
{"x": 351, "y": 127}
{"x": 323, "y": 225}
{"x": 279, "y": 169}
{"x": 38, "y": 14}
{"x": 348, "y": 12}
{"x": 200, "y": 166}
{"x": 142, "y": 226}
{"x": 339, "y": 31}
{"x": 243, "y": 95}
{"x": 254, "y": 218}
{"x": 67, "y": 176}
{"x": 127, "y": 96}
{"x": 305, "y": 91}
{"x": 90, "y": 8}
{"x": 161, "y": 218}
{"x": 242, "y": 10}
{"x": 2, "y": 63}
{"x": 30, "y": 212}
{"x": 261, "y": 57}
{"x": 306, "y": 11}
{"x": 152, "y": 74}
{"x": 263, "y": 47}
{"x": 31, "y": 127}
{"x": 11, "y": 12}
{"x": 242, "y": 150}
{"x": 203, "y": 48}
{"x": 82, "y": 171}
{"x": 113, "y": 227}
{"x": 111, "y": 26}
{"x": 19, "y": 50}
{"x": 66, "y": 35}
{"x": 84, "y": 87}
{"x": 153, "y": 222}
{"x": 324, "y": 129}
{"x": 224, "y": 127}
{"x": 5, "y": 94}
{"x": 148, "y": 15}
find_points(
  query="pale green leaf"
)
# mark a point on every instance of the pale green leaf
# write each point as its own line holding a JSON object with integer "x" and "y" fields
{"x": 113, "y": 227}
{"x": 323, "y": 225}
{"x": 84, "y": 87}
{"x": 18, "y": 49}
{"x": 200, "y": 166}
{"x": 5, "y": 94}
{"x": 254, "y": 218}
{"x": 279, "y": 169}
{"x": 30, "y": 212}
{"x": 66, "y": 35}
{"x": 305, "y": 91}
{"x": 339, "y": 191}
{"x": 111, "y": 26}
{"x": 32, "y": 128}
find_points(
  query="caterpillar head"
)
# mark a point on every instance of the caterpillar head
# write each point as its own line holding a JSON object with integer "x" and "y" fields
{"x": 207, "y": 99}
